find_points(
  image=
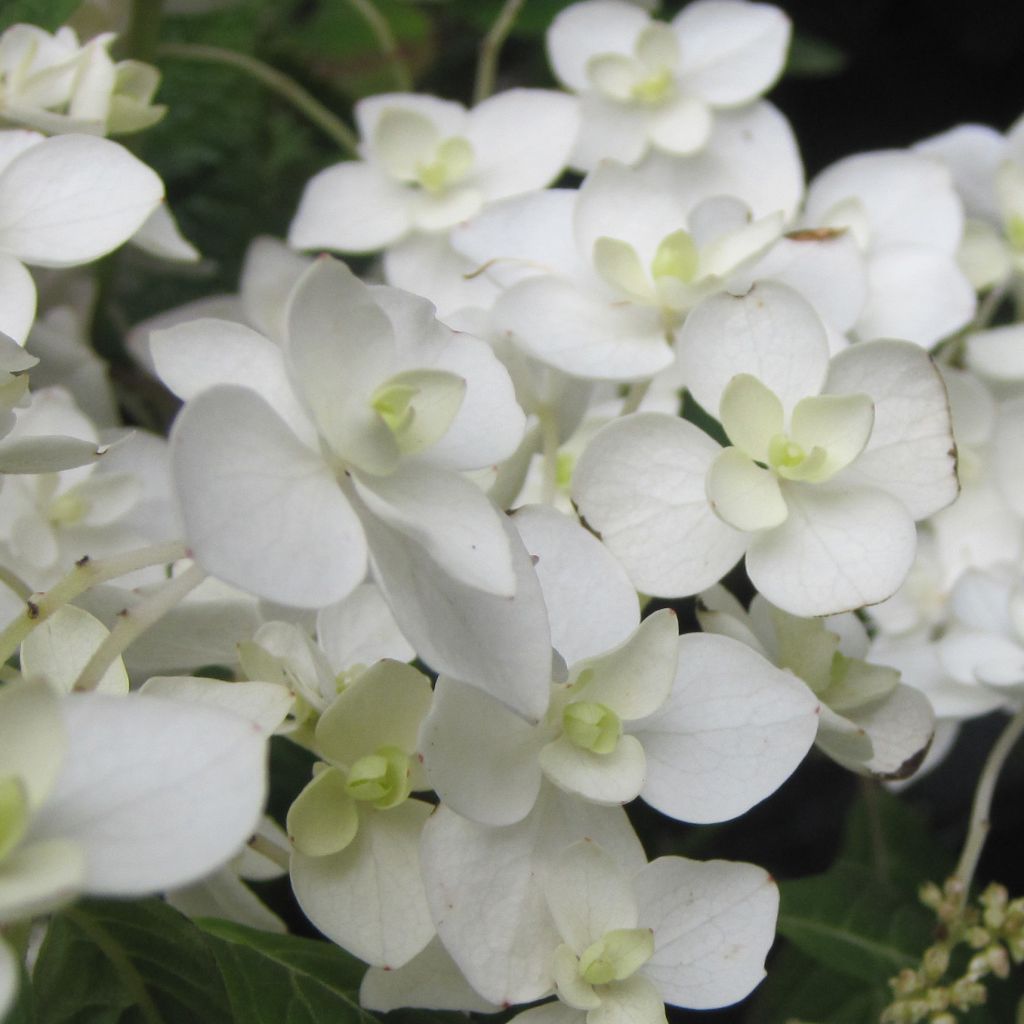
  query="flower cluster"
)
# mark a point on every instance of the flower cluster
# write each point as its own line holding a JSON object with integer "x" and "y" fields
{"x": 417, "y": 523}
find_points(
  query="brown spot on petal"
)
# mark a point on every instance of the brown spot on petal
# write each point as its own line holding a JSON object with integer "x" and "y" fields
{"x": 815, "y": 234}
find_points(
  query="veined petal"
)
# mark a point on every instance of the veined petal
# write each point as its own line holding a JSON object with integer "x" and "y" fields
{"x": 641, "y": 486}
{"x": 839, "y": 424}
{"x": 751, "y": 415}
{"x": 714, "y": 921}
{"x": 770, "y": 333}
{"x": 73, "y": 198}
{"x": 613, "y": 778}
{"x": 839, "y": 549}
{"x": 731, "y": 52}
{"x": 743, "y": 494}
{"x": 450, "y": 518}
{"x": 733, "y": 730}
{"x": 351, "y": 207}
{"x": 158, "y": 792}
{"x": 480, "y": 757}
{"x": 588, "y": 894}
{"x": 369, "y": 898}
{"x": 261, "y": 510}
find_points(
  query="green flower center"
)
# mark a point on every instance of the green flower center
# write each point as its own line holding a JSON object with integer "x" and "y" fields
{"x": 591, "y": 726}
{"x": 381, "y": 778}
{"x": 616, "y": 956}
{"x": 654, "y": 88}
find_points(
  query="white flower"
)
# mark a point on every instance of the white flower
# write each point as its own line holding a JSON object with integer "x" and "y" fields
{"x": 831, "y": 462}
{"x": 643, "y": 83}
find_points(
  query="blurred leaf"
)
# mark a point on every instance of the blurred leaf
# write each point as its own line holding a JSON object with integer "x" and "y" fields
{"x": 700, "y": 417}
{"x": 849, "y": 921}
{"x": 48, "y": 14}
{"x": 275, "y": 978}
{"x": 102, "y": 958}
{"x": 813, "y": 57}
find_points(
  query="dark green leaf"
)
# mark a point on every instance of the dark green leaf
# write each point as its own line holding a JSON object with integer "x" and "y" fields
{"x": 48, "y": 14}
{"x": 273, "y": 979}
{"x": 107, "y": 962}
{"x": 849, "y": 921}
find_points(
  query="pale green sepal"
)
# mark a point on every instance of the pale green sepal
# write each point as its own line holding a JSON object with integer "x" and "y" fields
{"x": 843, "y": 740}
{"x": 39, "y": 877}
{"x": 751, "y": 415}
{"x": 676, "y": 256}
{"x": 657, "y": 47}
{"x": 618, "y": 263}
{"x": 49, "y": 454}
{"x": 323, "y": 818}
{"x": 591, "y": 726}
{"x": 635, "y": 678}
{"x": 452, "y": 161}
{"x": 633, "y": 1001}
{"x": 613, "y": 75}
{"x": 382, "y": 708}
{"x": 419, "y": 406}
{"x": 10, "y": 975}
{"x": 617, "y": 955}
{"x": 14, "y": 813}
{"x": 805, "y": 647}
{"x": 743, "y": 494}
{"x": 403, "y": 141}
{"x": 855, "y": 683}
{"x": 839, "y": 424}
{"x": 723, "y": 255}
{"x": 33, "y": 740}
{"x": 57, "y": 650}
{"x": 569, "y": 985}
{"x": 381, "y": 778}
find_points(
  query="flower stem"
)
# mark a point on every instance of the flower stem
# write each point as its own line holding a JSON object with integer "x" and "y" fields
{"x": 285, "y": 87}
{"x": 980, "y": 822}
{"x": 266, "y": 848}
{"x": 490, "y": 49}
{"x": 634, "y": 396}
{"x": 86, "y": 573}
{"x": 143, "y": 29}
{"x": 386, "y": 41}
{"x": 133, "y": 622}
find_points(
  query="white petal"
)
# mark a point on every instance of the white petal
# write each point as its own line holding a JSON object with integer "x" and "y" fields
{"x": 714, "y": 923}
{"x": 479, "y": 756}
{"x": 588, "y": 894}
{"x": 771, "y": 333}
{"x": 911, "y": 453}
{"x": 482, "y": 886}
{"x": 157, "y": 792}
{"x": 430, "y": 980}
{"x": 580, "y": 334}
{"x": 446, "y": 209}
{"x": 908, "y": 198}
{"x": 161, "y": 237}
{"x": 613, "y": 778}
{"x": 351, "y": 207}
{"x": 521, "y": 139}
{"x": 501, "y": 644}
{"x": 681, "y": 128}
{"x": 18, "y": 305}
{"x": 743, "y": 494}
{"x": 263, "y": 704}
{"x": 448, "y": 117}
{"x": 997, "y": 353}
{"x": 72, "y": 199}
{"x": 583, "y": 30}
{"x": 640, "y": 486}
{"x": 38, "y": 877}
{"x": 450, "y": 518}
{"x": 57, "y": 650}
{"x": 369, "y": 898}
{"x": 972, "y": 152}
{"x": 731, "y": 52}
{"x": 608, "y": 131}
{"x": 269, "y": 272}
{"x": 916, "y": 293}
{"x": 200, "y": 354}
{"x": 33, "y": 744}
{"x": 361, "y": 630}
{"x": 838, "y": 550}
{"x": 226, "y": 896}
{"x": 591, "y": 604}
{"x": 262, "y": 511}
{"x": 733, "y": 730}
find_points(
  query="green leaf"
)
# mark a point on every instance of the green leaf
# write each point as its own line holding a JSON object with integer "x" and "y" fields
{"x": 849, "y": 921}
{"x": 140, "y": 962}
{"x": 272, "y": 979}
{"x": 48, "y": 14}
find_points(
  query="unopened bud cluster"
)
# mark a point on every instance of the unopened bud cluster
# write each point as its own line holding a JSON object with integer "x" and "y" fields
{"x": 992, "y": 934}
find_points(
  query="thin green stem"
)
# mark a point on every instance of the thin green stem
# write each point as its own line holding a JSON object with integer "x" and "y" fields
{"x": 133, "y": 622}
{"x": 10, "y": 579}
{"x": 86, "y": 573}
{"x": 266, "y": 848}
{"x": 279, "y": 83}
{"x": 634, "y": 396}
{"x": 386, "y": 41}
{"x": 143, "y": 33}
{"x": 490, "y": 49}
{"x": 980, "y": 822}
{"x": 879, "y": 853}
